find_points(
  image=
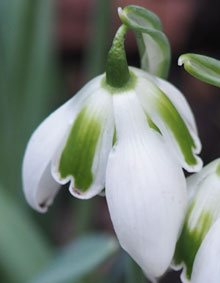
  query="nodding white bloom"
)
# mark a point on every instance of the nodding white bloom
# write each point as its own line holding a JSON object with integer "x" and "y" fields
{"x": 130, "y": 132}
{"x": 198, "y": 248}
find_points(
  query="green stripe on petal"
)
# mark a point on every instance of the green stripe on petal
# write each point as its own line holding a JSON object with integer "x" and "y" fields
{"x": 177, "y": 133}
{"x": 190, "y": 240}
{"x": 152, "y": 125}
{"x": 203, "y": 212}
{"x": 78, "y": 154}
{"x": 153, "y": 45}
{"x": 177, "y": 126}
{"x": 114, "y": 137}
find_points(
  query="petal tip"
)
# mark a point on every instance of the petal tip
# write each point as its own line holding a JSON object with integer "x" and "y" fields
{"x": 181, "y": 61}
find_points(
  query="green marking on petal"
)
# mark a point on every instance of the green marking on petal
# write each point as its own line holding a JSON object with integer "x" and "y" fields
{"x": 190, "y": 240}
{"x": 152, "y": 125}
{"x": 78, "y": 154}
{"x": 114, "y": 137}
{"x": 177, "y": 126}
{"x": 218, "y": 170}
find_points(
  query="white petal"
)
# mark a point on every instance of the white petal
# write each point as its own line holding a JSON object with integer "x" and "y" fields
{"x": 177, "y": 132}
{"x": 195, "y": 180}
{"x": 203, "y": 211}
{"x": 206, "y": 268}
{"x": 38, "y": 184}
{"x": 174, "y": 95}
{"x": 145, "y": 189}
{"x": 88, "y": 141}
{"x": 180, "y": 103}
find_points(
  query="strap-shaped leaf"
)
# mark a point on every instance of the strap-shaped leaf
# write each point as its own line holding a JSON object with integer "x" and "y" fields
{"x": 153, "y": 44}
{"x": 78, "y": 259}
{"x": 202, "y": 67}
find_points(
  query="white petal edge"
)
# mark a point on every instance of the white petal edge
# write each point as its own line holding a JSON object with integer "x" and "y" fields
{"x": 38, "y": 184}
{"x": 99, "y": 103}
{"x": 194, "y": 180}
{"x": 145, "y": 189}
{"x": 206, "y": 267}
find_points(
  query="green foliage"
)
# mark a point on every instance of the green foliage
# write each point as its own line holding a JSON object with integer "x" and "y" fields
{"x": 23, "y": 249}
{"x": 28, "y": 79}
{"x": 78, "y": 259}
{"x": 29, "y": 87}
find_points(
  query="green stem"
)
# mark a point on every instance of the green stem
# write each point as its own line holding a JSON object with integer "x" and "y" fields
{"x": 117, "y": 73}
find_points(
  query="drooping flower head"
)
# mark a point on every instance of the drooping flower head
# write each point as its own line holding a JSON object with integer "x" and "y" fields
{"x": 128, "y": 131}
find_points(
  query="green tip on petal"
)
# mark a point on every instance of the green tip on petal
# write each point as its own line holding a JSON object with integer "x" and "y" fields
{"x": 153, "y": 45}
{"x": 204, "y": 68}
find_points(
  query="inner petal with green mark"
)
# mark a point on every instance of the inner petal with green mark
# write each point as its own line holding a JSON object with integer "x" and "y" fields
{"x": 190, "y": 241}
{"x": 77, "y": 157}
{"x": 84, "y": 156}
{"x": 202, "y": 214}
{"x": 168, "y": 120}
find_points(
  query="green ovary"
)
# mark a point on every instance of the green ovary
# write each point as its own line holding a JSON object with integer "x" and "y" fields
{"x": 190, "y": 240}
{"x": 78, "y": 154}
{"x": 178, "y": 127}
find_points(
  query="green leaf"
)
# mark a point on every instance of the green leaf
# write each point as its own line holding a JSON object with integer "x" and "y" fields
{"x": 153, "y": 44}
{"x": 79, "y": 258}
{"x": 97, "y": 46}
{"x": 23, "y": 249}
{"x": 204, "y": 68}
{"x": 28, "y": 79}
{"x": 133, "y": 272}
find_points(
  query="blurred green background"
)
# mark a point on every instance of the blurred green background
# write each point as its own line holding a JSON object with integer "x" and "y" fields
{"x": 48, "y": 50}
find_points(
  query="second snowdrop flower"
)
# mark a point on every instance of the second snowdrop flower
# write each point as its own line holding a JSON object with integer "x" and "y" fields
{"x": 197, "y": 250}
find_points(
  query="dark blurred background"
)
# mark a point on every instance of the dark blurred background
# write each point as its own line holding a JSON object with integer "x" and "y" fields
{"x": 49, "y": 50}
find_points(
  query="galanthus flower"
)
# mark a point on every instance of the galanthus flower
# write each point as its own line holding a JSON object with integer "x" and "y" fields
{"x": 198, "y": 248}
{"x": 127, "y": 131}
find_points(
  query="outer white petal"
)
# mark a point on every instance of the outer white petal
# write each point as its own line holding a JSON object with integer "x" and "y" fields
{"x": 178, "y": 131}
{"x": 180, "y": 103}
{"x": 145, "y": 189}
{"x": 206, "y": 268}
{"x": 98, "y": 108}
{"x": 38, "y": 184}
{"x": 174, "y": 95}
